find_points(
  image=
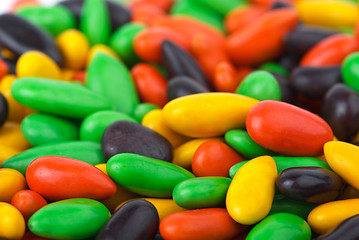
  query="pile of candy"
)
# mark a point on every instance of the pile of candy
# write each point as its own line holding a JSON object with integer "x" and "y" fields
{"x": 188, "y": 119}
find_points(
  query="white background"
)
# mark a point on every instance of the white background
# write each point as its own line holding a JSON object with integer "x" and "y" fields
{"x": 5, "y": 4}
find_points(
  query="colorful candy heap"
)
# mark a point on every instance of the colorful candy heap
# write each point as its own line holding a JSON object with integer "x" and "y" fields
{"x": 180, "y": 120}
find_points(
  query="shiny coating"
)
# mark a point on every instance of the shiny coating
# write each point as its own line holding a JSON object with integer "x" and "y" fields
{"x": 136, "y": 219}
{"x": 48, "y": 176}
{"x": 130, "y": 137}
{"x": 201, "y": 192}
{"x": 250, "y": 205}
{"x": 82, "y": 150}
{"x": 309, "y": 184}
{"x": 346, "y": 230}
{"x": 341, "y": 111}
{"x": 182, "y": 86}
{"x": 199, "y": 115}
{"x": 11, "y": 221}
{"x": 267, "y": 121}
{"x": 155, "y": 178}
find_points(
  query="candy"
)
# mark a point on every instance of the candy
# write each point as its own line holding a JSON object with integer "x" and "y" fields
{"x": 111, "y": 79}
{"x": 182, "y": 86}
{"x": 250, "y": 205}
{"x": 282, "y": 204}
{"x": 349, "y": 71}
{"x": 46, "y": 172}
{"x": 154, "y": 120}
{"x": 201, "y": 115}
{"x": 136, "y": 219}
{"x": 345, "y": 230}
{"x": 201, "y": 192}
{"x": 281, "y": 226}
{"x": 41, "y": 129}
{"x": 16, "y": 43}
{"x": 260, "y": 85}
{"x": 209, "y": 223}
{"x": 130, "y": 137}
{"x": 11, "y": 181}
{"x": 11, "y": 221}
{"x": 156, "y": 178}
{"x": 81, "y": 150}
{"x": 94, "y": 125}
{"x": 95, "y": 22}
{"x": 310, "y": 184}
{"x": 327, "y": 216}
{"x": 305, "y": 135}
{"x": 214, "y": 158}
{"x": 87, "y": 218}
{"x": 28, "y": 202}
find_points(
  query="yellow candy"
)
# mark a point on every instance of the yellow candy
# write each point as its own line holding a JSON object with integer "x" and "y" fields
{"x": 74, "y": 48}
{"x": 154, "y": 120}
{"x": 12, "y": 223}
{"x": 16, "y": 110}
{"x": 7, "y": 152}
{"x": 67, "y": 75}
{"x": 251, "y": 192}
{"x": 327, "y": 216}
{"x": 37, "y": 64}
{"x": 328, "y": 13}
{"x": 183, "y": 155}
{"x": 7, "y": 53}
{"x": 342, "y": 157}
{"x": 122, "y": 194}
{"x": 164, "y": 207}
{"x": 11, "y": 135}
{"x": 100, "y": 48}
{"x": 11, "y": 181}
{"x": 207, "y": 114}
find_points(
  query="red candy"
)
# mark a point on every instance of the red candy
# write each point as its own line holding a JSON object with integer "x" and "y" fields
{"x": 262, "y": 40}
{"x": 57, "y": 178}
{"x": 287, "y": 129}
{"x": 28, "y": 202}
{"x": 330, "y": 51}
{"x": 209, "y": 224}
{"x": 147, "y": 43}
{"x": 150, "y": 84}
{"x": 214, "y": 158}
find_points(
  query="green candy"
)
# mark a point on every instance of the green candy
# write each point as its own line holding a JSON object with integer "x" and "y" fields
{"x": 54, "y": 19}
{"x": 85, "y": 151}
{"x": 287, "y": 162}
{"x": 142, "y": 109}
{"x": 222, "y": 7}
{"x": 281, "y": 226}
{"x": 202, "y": 192}
{"x": 195, "y": 10}
{"x": 95, "y": 22}
{"x": 245, "y": 145}
{"x": 350, "y": 71}
{"x": 40, "y": 128}
{"x": 58, "y": 97}
{"x": 93, "y": 126}
{"x": 122, "y": 42}
{"x": 146, "y": 176}
{"x": 260, "y": 85}
{"x": 110, "y": 78}
{"x": 282, "y": 204}
{"x": 76, "y": 218}
{"x": 275, "y": 67}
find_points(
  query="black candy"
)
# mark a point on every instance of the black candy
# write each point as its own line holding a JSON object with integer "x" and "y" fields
{"x": 4, "y": 109}
{"x": 182, "y": 86}
{"x": 287, "y": 93}
{"x": 135, "y": 220}
{"x": 340, "y": 108}
{"x": 309, "y": 184}
{"x": 19, "y": 36}
{"x": 130, "y": 137}
{"x": 346, "y": 230}
{"x": 178, "y": 62}
{"x": 314, "y": 82}
{"x": 303, "y": 38}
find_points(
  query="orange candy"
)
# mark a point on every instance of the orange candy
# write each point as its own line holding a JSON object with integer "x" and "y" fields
{"x": 147, "y": 43}
{"x": 28, "y": 202}
{"x": 214, "y": 158}
{"x": 146, "y": 13}
{"x": 150, "y": 84}
{"x": 261, "y": 41}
